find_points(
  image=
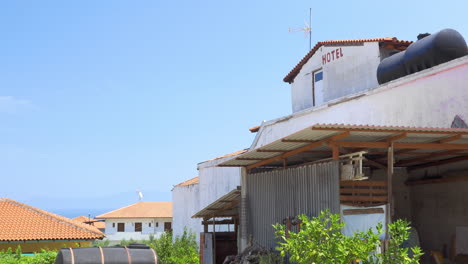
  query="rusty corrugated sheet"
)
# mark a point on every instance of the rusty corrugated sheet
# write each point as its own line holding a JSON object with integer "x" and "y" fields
{"x": 275, "y": 195}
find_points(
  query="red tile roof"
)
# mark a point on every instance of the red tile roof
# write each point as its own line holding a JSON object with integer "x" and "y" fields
{"x": 141, "y": 210}
{"x": 390, "y": 41}
{"x": 90, "y": 221}
{"x": 19, "y": 222}
{"x": 254, "y": 129}
{"x": 189, "y": 182}
{"x": 229, "y": 155}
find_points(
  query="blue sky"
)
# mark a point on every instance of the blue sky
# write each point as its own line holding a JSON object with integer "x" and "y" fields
{"x": 99, "y": 98}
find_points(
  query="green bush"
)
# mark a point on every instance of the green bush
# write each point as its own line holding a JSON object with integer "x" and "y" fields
{"x": 43, "y": 257}
{"x": 181, "y": 250}
{"x": 321, "y": 240}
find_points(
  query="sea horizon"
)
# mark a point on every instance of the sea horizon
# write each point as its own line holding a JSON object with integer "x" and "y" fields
{"x": 75, "y": 212}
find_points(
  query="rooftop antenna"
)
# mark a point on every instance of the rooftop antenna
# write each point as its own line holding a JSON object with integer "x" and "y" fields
{"x": 306, "y": 29}
{"x": 140, "y": 195}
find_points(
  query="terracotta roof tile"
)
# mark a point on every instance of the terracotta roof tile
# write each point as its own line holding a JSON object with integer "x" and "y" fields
{"x": 254, "y": 129}
{"x": 19, "y": 221}
{"x": 90, "y": 221}
{"x": 295, "y": 71}
{"x": 230, "y": 154}
{"x": 141, "y": 210}
{"x": 189, "y": 182}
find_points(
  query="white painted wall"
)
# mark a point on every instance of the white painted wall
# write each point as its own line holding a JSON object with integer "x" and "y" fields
{"x": 112, "y": 234}
{"x": 216, "y": 182}
{"x": 352, "y": 72}
{"x": 430, "y": 98}
{"x": 185, "y": 202}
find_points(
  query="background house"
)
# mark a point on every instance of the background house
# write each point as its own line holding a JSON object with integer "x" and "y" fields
{"x": 138, "y": 221}
{"x": 34, "y": 229}
{"x": 93, "y": 222}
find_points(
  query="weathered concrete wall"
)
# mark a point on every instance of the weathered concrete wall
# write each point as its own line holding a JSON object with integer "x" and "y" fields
{"x": 216, "y": 182}
{"x": 437, "y": 210}
{"x": 185, "y": 200}
{"x": 430, "y": 98}
{"x": 347, "y": 69}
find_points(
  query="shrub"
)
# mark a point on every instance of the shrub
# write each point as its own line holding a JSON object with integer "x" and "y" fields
{"x": 320, "y": 240}
{"x": 43, "y": 257}
{"x": 182, "y": 250}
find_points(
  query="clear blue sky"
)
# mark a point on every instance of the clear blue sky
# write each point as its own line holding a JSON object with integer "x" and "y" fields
{"x": 99, "y": 98}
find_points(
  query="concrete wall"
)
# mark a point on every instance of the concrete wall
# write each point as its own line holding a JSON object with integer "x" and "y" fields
{"x": 430, "y": 98}
{"x": 156, "y": 228}
{"x": 185, "y": 200}
{"x": 347, "y": 69}
{"x": 437, "y": 210}
{"x": 216, "y": 182}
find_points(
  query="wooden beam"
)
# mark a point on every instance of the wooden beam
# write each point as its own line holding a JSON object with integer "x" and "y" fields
{"x": 428, "y": 156}
{"x": 390, "y": 162}
{"x": 250, "y": 159}
{"x": 350, "y": 198}
{"x": 219, "y": 222}
{"x": 363, "y": 211}
{"x": 297, "y": 141}
{"x": 438, "y": 163}
{"x": 336, "y": 152}
{"x": 370, "y": 130}
{"x": 270, "y": 150}
{"x": 448, "y": 139}
{"x": 395, "y": 138}
{"x": 439, "y": 180}
{"x": 365, "y": 144}
{"x": 431, "y": 146}
{"x": 299, "y": 150}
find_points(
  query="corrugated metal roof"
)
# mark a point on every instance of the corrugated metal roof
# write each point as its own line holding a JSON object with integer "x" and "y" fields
{"x": 226, "y": 206}
{"x": 357, "y": 134}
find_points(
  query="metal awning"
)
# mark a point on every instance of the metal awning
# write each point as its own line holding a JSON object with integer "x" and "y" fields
{"x": 414, "y": 147}
{"x": 226, "y": 206}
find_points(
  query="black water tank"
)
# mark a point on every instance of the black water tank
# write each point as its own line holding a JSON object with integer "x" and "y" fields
{"x": 425, "y": 53}
{"x": 134, "y": 253}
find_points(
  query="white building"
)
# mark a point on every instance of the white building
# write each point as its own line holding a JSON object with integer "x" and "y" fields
{"x": 336, "y": 83}
{"x": 138, "y": 221}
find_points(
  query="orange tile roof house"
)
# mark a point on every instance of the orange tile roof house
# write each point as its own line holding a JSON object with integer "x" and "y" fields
{"x": 138, "y": 221}
{"x": 34, "y": 229}
{"x": 93, "y": 222}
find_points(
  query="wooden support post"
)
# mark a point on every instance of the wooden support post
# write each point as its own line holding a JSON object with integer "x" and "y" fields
{"x": 336, "y": 152}
{"x": 390, "y": 162}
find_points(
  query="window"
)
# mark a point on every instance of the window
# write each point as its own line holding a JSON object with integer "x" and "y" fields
{"x": 137, "y": 227}
{"x": 317, "y": 88}
{"x": 120, "y": 227}
{"x": 157, "y": 224}
{"x": 167, "y": 226}
{"x": 149, "y": 224}
{"x": 113, "y": 225}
